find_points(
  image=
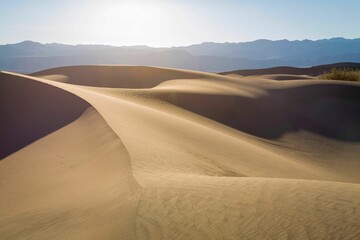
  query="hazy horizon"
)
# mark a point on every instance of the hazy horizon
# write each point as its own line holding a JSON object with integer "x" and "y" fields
{"x": 198, "y": 43}
{"x": 162, "y": 23}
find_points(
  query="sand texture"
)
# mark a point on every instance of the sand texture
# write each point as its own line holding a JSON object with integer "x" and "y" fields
{"x": 135, "y": 152}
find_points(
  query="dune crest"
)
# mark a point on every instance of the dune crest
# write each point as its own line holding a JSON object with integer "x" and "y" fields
{"x": 157, "y": 153}
{"x": 30, "y": 110}
{"x": 117, "y": 76}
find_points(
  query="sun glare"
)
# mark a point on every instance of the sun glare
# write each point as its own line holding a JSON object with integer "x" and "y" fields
{"x": 133, "y": 16}
{"x": 136, "y": 12}
{"x": 136, "y": 22}
{"x": 131, "y": 21}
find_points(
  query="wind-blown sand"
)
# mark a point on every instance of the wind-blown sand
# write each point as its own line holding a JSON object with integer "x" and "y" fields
{"x": 130, "y": 152}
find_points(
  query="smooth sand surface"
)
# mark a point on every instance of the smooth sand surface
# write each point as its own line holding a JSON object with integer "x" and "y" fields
{"x": 131, "y": 152}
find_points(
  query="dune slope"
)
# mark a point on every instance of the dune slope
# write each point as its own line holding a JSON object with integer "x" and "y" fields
{"x": 173, "y": 154}
{"x": 30, "y": 110}
{"x": 115, "y": 76}
{"x": 73, "y": 181}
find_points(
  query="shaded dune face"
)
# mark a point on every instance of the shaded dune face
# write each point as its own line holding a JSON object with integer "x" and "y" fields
{"x": 311, "y": 71}
{"x": 74, "y": 183}
{"x": 279, "y": 70}
{"x": 330, "y": 110}
{"x": 284, "y": 77}
{"x": 115, "y": 76}
{"x": 30, "y": 110}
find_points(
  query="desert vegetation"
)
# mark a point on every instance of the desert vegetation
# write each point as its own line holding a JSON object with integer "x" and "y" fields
{"x": 345, "y": 74}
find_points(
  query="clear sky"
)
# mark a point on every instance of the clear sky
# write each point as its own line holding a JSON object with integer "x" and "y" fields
{"x": 175, "y": 22}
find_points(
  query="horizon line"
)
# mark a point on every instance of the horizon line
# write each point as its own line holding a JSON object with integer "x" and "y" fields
{"x": 179, "y": 46}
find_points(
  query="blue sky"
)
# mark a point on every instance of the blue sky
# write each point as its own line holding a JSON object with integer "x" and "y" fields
{"x": 175, "y": 22}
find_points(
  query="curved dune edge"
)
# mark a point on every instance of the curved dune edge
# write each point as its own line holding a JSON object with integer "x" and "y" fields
{"x": 74, "y": 183}
{"x": 80, "y": 187}
{"x": 199, "y": 179}
{"x": 30, "y": 110}
{"x": 118, "y": 76}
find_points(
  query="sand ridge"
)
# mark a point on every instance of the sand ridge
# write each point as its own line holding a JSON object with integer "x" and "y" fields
{"x": 175, "y": 154}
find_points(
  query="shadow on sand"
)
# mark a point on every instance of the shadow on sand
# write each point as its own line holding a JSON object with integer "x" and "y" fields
{"x": 331, "y": 110}
{"x": 30, "y": 110}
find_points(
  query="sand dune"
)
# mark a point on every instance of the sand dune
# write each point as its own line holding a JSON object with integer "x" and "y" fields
{"x": 45, "y": 109}
{"x": 115, "y": 76}
{"x": 129, "y": 152}
{"x": 311, "y": 71}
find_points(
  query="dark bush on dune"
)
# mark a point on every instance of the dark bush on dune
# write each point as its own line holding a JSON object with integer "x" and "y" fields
{"x": 342, "y": 74}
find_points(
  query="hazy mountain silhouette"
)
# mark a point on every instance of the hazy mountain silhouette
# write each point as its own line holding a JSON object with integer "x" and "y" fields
{"x": 31, "y": 56}
{"x": 281, "y": 49}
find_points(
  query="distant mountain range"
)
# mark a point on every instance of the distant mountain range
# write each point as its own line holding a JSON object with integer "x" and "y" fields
{"x": 31, "y": 56}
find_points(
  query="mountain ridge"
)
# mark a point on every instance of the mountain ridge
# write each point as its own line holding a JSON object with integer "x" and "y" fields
{"x": 29, "y": 56}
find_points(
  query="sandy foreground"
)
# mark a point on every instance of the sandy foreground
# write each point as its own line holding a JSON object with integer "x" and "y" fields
{"x": 131, "y": 152}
